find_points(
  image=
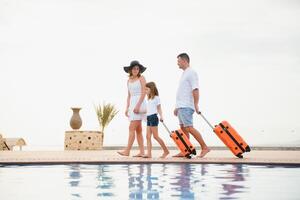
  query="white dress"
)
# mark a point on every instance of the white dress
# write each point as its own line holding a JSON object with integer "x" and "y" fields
{"x": 135, "y": 90}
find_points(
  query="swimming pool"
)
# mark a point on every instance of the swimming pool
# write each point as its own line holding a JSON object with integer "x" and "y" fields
{"x": 149, "y": 181}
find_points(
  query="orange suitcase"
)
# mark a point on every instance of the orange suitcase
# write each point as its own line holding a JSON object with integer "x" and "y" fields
{"x": 230, "y": 138}
{"x": 182, "y": 141}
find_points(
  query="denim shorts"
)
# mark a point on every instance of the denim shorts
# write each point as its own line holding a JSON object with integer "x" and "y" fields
{"x": 185, "y": 116}
{"x": 152, "y": 120}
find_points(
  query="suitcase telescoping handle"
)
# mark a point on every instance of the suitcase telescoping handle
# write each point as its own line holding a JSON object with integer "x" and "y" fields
{"x": 205, "y": 120}
{"x": 166, "y": 127}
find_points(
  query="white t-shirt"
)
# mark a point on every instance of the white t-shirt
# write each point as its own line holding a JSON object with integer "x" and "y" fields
{"x": 188, "y": 82}
{"x": 152, "y": 105}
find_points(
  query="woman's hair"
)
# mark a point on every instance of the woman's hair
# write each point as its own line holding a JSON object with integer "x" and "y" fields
{"x": 130, "y": 72}
{"x": 153, "y": 90}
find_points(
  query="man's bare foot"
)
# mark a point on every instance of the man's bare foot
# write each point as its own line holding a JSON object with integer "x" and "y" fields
{"x": 147, "y": 156}
{"x": 165, "y": 154}
{"x": 178, "y": 155}
{"x": 139, "y": 155}
{"x": 203, "y": 152}
{"x": 123, "y": 153}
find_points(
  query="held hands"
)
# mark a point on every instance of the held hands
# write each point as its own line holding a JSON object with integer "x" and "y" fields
{"x": 136, "y": 110}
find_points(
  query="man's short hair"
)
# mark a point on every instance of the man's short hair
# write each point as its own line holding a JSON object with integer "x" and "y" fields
{"x": 184, "y": 56}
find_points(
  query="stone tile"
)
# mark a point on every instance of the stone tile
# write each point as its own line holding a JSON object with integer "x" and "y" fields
{"x": 111, "y": 156}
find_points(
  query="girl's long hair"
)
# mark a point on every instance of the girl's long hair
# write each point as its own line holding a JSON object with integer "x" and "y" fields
{"x": 153, "y": 90}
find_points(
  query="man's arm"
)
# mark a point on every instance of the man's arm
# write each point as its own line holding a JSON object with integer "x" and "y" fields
{"x": 196, "y": 99}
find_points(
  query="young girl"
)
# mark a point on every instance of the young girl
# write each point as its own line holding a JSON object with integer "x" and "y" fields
{"x": 153, "y": 107}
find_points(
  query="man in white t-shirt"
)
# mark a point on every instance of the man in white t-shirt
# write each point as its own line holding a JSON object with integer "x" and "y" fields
{"x": 187, "y": 99}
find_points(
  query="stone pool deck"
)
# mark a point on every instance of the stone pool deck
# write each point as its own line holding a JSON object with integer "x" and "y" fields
{"x": 274, "y": 157}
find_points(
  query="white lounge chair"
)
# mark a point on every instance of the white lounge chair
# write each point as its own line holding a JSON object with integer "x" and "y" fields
{"x": 3, "y": 145}
{"x": 9, "y": 143}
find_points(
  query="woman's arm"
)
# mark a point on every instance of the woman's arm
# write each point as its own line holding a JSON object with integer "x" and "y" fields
{"x": 128, "y": 102}
{"x": 143, "y": 94}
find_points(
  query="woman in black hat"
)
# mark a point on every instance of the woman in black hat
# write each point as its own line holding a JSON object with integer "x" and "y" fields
{"x": 136, "y": 106}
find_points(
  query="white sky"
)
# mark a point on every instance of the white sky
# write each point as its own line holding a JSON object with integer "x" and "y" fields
{"x": 56, "y": 54}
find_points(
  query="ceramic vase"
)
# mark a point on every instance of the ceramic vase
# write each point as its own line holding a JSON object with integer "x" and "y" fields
{"x": 75, "y": 121}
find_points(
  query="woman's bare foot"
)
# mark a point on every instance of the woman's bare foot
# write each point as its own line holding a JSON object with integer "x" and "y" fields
{"x": 147, "y": 156}
{"x": 139, "y": 155}
{"x": 203, "y": 152}
{"x": 165, "y": 154}
{"x": 123, "y": 153}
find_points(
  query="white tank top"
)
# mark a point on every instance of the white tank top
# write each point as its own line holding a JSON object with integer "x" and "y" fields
{"x": 135, "y": 88}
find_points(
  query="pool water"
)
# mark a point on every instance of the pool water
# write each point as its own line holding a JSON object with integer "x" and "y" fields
{"x": 149, "y": 181}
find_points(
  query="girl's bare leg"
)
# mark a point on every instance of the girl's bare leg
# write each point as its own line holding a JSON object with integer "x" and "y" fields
{"x": 154, "y": 130}
{"x": 149, "y": 143}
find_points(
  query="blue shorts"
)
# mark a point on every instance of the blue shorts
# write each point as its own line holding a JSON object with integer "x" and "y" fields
{"x": 185, "y": 116}
{"x": 152, "y": 120}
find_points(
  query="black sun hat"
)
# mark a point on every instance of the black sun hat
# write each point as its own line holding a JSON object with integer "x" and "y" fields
{"x": 132, "y": 64}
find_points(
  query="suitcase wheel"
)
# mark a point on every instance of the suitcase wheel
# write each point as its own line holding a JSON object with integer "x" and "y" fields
{"x": 235, "y": 148}
{"x": 239, "y": 155}
{"x": 247, "y": 149}
{"x": 194, "y": 152}
{"x": 185, "y": 150}
{"x": 188, "y": 156}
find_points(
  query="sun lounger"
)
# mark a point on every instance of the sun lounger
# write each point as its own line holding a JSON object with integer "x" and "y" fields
{"x": 3, "y": 145}
{"x": 9, "y": 143}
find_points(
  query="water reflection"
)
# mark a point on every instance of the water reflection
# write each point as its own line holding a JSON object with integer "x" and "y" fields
{"x": 232, "y": 180}
{"x": 142, "y": 184}
{"x": 182, "y": 179}
{"x": 75, "y": 179}
{"x": 105, "y": 181}
{"x": 156, "y": 181}
{"x": 97, "y": 179}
